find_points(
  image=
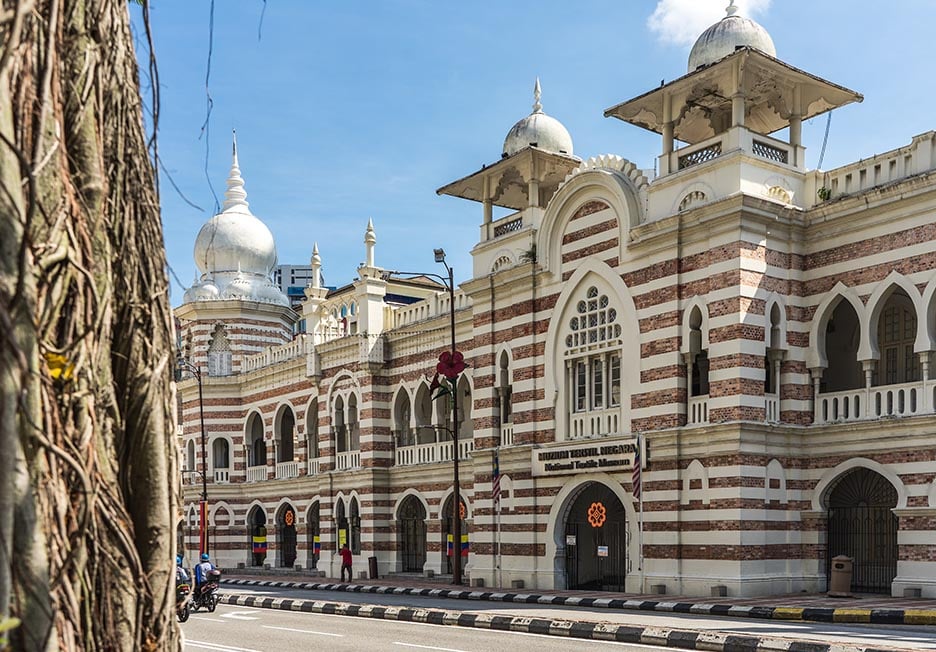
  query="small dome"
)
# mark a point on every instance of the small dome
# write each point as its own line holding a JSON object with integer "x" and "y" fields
{"x": 269, "y": 293}
{"x": 240, "y": 287}
{"x": 538, "y": 130}
{"x": 204, "y": 291}
{"x": 726, "y": 36}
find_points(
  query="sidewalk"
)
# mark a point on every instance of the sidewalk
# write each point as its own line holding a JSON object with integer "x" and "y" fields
{"x": 867, "y": 608}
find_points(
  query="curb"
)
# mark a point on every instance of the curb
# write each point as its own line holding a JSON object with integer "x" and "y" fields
{"x": 812, "y": 614}
{"x": 678, "y": 638}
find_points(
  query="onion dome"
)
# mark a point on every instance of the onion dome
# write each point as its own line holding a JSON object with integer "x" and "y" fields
{"x": 538, "y": 130}
{"x": 726, "y": 36}
{"x": 235, "y": 239}
{"x": 235, "y": 251}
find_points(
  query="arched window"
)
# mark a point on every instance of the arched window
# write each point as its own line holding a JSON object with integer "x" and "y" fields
{"x": 843, "y": 333}
{"x": 190, "y": 456}
{"x": 312, "y": 430}
{"x": 220, "y": 453}
{"x": 354, "y": 428}
{"x": 896, "y": 330}
{"x": 593, "y": 365}
{"x": 342, "y": 443}
{"x": 256, "y": 446}
{"x": 286, "y": 436}
{"x": 403, "y": 433}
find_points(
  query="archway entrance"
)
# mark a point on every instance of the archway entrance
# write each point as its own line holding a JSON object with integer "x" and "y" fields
{"x": 596, "y": 540}
{"x": 258, "y": 537}
{"x": 450, "y": 547}
{"x": 286, "y": 528}
{"x": 412, "y": 528}
{"x": 863, "y": 527}
{"x": 315, "y": 540}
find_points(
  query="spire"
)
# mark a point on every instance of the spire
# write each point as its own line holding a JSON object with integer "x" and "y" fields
{"x": 235, "y": 195}
{"x": 731, "y": 9}
{"x": 316, "y": 266}
{"x": 537, "y": 94}
{"x": 370, "y": 238}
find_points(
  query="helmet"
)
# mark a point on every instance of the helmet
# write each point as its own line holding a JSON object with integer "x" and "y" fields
{"x": 178, "y": 560}
{"x": 204, "y": 556}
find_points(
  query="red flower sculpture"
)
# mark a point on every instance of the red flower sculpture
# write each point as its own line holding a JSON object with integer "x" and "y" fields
{"x": 451, "y": 364}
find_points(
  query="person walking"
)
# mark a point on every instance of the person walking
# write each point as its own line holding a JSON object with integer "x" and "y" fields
{"x": 345, "y": 553}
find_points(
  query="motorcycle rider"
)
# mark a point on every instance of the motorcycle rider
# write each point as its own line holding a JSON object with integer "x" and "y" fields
{"x": 181, "y": 575}
{"x": 201, "y": 571}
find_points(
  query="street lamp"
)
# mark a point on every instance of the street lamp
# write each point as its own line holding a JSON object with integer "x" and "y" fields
{"x": 184, "y": 365}
{"x": 449, "y": 284}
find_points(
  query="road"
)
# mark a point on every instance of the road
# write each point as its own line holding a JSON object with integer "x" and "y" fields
{"x": 903, "y": 637}
{"x": 239, "y": 629}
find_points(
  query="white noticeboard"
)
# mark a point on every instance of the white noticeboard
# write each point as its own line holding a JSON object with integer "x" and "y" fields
{"x": 570, "y": 539}
{"x": 602, "y": 551}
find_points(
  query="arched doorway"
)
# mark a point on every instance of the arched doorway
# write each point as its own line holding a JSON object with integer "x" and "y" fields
{"x": 314, "y": 533}
{"x": 256, "y": 523}
{"x": 863, "y": 526}
{"x": 412, "y": 528}
{"x": 596, "y": 540}
{"x": 456, "y": 550}
{"x": 286, "y": 529}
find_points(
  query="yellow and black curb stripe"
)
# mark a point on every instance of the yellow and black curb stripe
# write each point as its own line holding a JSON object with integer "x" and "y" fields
{"x": 813, "y": 614}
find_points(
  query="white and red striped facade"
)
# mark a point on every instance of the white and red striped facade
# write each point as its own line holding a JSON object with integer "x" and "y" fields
{"x": 765, "y": 332}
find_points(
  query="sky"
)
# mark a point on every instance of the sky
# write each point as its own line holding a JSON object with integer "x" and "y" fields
{"x": 357, "y": 110}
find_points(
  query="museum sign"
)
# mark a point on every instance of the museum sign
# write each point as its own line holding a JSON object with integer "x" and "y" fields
{"x": 585, "y": 456}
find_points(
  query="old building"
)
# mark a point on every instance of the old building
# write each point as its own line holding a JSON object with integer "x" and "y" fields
{"x": 762, "y": 334}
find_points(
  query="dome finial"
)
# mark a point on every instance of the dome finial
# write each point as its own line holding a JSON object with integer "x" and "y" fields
{"x": 732, "y": 8}
{"x": 235, "y": 195}
{"x": 537, "y": 94}
{"x": 316, "y": 281}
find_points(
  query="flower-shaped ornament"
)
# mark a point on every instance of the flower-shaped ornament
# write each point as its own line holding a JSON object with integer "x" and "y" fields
{"x": 451, "y": 364}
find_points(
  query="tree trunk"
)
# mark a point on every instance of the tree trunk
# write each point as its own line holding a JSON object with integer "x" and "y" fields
{"x": 88, "y": 464}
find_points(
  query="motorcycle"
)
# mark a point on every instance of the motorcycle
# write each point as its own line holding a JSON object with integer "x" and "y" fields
{"x": 182, "y": 601}
{"x": 206, "y": 596}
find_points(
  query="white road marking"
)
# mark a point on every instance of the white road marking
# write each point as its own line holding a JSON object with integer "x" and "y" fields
{"x": 303, "y": 631}
{"x": 427, "y": 647}
{"x": 210, "y": 620}
{"x": 240, "y": 615}
{"x": 218, "y": 647}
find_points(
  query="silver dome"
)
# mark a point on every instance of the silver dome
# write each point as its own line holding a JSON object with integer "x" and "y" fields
{"x": 204, "y": 291}
{"x": 538, "y": 130}
{"x": 726, "y": 36}
{"x": 233, "y": 240}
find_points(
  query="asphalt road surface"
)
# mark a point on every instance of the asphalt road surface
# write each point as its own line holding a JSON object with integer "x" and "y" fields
{"x": 905, "y": 637}
{"x": 239, "y": 629}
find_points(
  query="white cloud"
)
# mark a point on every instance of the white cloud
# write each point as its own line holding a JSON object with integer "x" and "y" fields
{"x": 680, "y": 22}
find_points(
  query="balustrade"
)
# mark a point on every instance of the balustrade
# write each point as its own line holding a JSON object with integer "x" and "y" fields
{"x": 286, "y": 470}
{"x": 222, "y": 475}
{"x": 698, "y": 410}
{"x": 433, "y": 453}
{"x": 900, "y": 400}
{"x": 507, "y": 434}
{"x": 256, "y": 473}
{"x": 348, "y": 460}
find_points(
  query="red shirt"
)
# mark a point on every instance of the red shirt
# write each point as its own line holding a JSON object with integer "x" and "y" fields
{"x": 345, "y": 556}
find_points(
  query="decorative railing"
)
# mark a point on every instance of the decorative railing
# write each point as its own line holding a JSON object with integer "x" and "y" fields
{"x": 256, "y": 473}
{"x": 902, "y": 400}
{"x": 772, "y": 408}
{"x": 435, "y": 306}
{"x": 700, "y": 155}
{"x": 222, "y": 475}
{"x": 285, "y": 470}
{"x": 595, "y": 423}
{"x": 506, "y": 434}
{"x": 433, "y": 453}
{"x": 348, "y": 460}
{"x": 698, "y": 410}
{"x": 313, "y": 467}
{"x": 505, "y": 226}
{"x": 276, "y": 354}
{"x": 916, "y": 158}
{"x": 770, "y": 152}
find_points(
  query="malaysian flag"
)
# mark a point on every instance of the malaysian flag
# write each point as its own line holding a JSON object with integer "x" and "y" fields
{"x": 635, "y": 475}
{"x": 495, "y": 483}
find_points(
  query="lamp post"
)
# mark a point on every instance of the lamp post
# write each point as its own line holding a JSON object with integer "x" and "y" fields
{"x": 184, "y": 365}
{"x": 449, "y": 284}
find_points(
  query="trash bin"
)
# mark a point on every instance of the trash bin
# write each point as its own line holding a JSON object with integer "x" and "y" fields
{"x": 372, "y": 568}
{"x": 841, "y": 577}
